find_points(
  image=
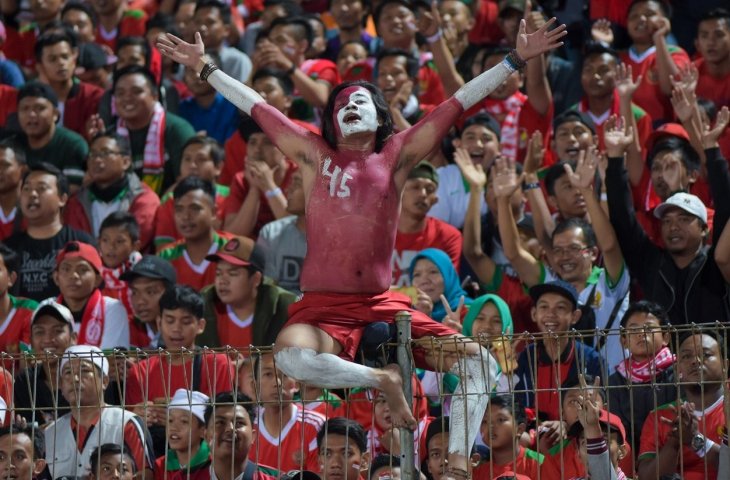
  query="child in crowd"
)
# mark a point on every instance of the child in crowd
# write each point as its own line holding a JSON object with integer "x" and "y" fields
{"x": 202, "y": 157}
{"x": 600, "y": 435}
{"x": 342, "y": 449}
{"x": 187, "y": 452}
{"x": 283, "y": 427}
{"x": 437, "y": 447}
{"x": 112, "y": 462}
{"x": 490, "y": 321}
{"x": 99, "y": 320}
{"x": 503, "y": 425}
{"x": 182, "y": 366}
{"x": 119, "y": 246}
{"x": 383, "y": 437}
{"x": 645, "y": 379}
{"x": 15, "y": 313}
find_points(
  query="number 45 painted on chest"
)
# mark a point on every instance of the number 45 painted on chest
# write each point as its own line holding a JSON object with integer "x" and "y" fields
{"x": 335, "y": 175}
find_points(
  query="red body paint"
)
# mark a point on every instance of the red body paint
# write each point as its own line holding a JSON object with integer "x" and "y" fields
{"x": 353, "y": 206}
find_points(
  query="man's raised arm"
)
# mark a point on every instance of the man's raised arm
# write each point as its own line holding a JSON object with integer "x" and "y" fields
{"x": 423, "y": 138}
{"x": 293, "y": 140}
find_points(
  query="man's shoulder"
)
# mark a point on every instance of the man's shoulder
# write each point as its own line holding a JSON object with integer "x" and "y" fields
{"x": 173, "y": 251}
{"x": 65, "y": 138}
{"x": 442, "y": 227}
{"x": 278, "y": 227}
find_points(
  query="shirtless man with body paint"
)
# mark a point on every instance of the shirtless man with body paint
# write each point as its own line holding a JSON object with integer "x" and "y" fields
{"x": 353, "y": 176}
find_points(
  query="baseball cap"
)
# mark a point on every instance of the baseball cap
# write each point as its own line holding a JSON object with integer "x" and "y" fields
{"x": 151, "y": 266}
{"x": 239, "y": 251}
{"x": 560, "y": 287}
{"x": 667, "y": 130}
{"x": 606, "y": 419}
{"x": 75, "y": 249}
{"x": 424, "y": 169}
{"x": 92, "y": 56}
{"x": 190, "y": 400}
{"x": 300, "y": 475}
{"x": 49, "y": 306}
{"x": 687, "y": 202}
{"x": 505, "y": 5}
{"x": 86, "y": 352}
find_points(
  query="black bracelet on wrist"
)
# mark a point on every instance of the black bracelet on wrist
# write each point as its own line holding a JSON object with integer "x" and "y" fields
{"x": 291, "y": 70}
{"x": 207, "y": 70}
{"x": 515, "y": 60}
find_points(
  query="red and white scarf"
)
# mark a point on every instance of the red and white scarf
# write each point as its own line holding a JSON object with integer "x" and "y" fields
{"x": 507, "y": 112}
{"x": 115, "y": 287}
{"x": 154, "y": 145}
{"x": 92, "y": 321}
{"x": 643, "y": 372}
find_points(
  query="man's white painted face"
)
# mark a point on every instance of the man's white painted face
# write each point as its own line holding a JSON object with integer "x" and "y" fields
{"x": 355, "y": 112}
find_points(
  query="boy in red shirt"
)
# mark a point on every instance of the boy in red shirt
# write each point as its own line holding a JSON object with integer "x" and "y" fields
{"x": 119, "y": 247}
{"x": 195, "y": 219}
{"x": 713, "y": 43}
{"x": 501, "y": 428}
{"x": 287, "y": 434}
{"x": 651, "y": 58}
{"x": 417, "y": 230}
{"x": 153, "y": 380}
{"x": 15, "y": 313}
{"x": 342, "y": 449}
{"x": 117, "y": 21}
{"x": 202, "y": 157}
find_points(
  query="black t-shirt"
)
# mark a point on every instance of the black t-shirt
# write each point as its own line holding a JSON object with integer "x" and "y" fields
{"x": 38, "y": 260}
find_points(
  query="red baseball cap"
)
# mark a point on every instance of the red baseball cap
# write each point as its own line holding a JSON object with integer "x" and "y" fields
{"x": 74, "y": 249}
{"x": 239, "y": 251}
{"x": 667, "y": 130}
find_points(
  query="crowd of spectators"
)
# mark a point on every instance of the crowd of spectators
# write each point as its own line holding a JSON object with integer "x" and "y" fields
{"x": 152, "y": 238}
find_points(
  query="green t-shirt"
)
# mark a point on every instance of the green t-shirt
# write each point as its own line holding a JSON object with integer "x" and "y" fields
{"x": 67, "y": 150}
{"x": 177, "y": 132}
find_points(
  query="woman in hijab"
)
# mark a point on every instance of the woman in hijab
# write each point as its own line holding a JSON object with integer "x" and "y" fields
{"x": 433, "y": 273}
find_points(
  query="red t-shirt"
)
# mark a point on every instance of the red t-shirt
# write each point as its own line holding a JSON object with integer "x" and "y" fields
{"x": 235, "y": 148}
{"x": 165, "y": 229}
{"x": 15, "y": 329}
{"x": 430, "y": 88}
{"x": 81, "y": 104}
{"x": 8, "y": 102}
{"x": 155, "y": 378}
{"x": 566, "y": 460}
{"x": 298, "y": 437}
{"x": 649, "y": 95}
{"x": 19, "y": 45}
{"x": 237, "y": 332}
{"x": 239, "y": 190}
{"x": 197, "y": 276}
{"x": 486, "y": 29}
{"x": 132, "y": 24}
{"x": 436, "y": 234}
{"x": 655, "y": 432}
{"x": 526, "y": 462}
{"x": 712, "y": 88}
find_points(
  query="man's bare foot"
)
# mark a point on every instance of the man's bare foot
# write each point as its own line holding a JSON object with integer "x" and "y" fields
{"x": 391, "y": 384}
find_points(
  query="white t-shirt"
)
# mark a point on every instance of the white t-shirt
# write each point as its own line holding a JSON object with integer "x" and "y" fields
{"x": 453, "y": 197}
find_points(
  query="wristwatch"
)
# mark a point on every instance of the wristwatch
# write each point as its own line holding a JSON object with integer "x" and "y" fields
{"x": 698, "y": 442}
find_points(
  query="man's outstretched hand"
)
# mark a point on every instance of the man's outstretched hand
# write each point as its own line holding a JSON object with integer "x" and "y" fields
{"x": 533, "y": 44}
{"x": 184, "y": 53}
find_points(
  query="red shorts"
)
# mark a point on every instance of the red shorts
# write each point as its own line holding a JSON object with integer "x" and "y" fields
{"x": 344, "y": 316}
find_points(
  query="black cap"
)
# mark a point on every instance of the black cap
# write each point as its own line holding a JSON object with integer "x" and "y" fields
{"x": 151, "y": 267}
{"x": 300, "y": 475}
{"x": 560, "y": 287}
{"x": 92, "y": 56}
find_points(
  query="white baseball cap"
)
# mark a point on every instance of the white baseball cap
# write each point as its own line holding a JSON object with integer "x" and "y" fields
{"x": 51, "y": 307}
{"x": 89, "y": 353}
{"x": 190, "y": 400}
{"x": 687, "y": 202}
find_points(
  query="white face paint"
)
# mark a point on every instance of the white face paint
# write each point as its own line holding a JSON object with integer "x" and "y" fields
{"x": 358, "y": 115}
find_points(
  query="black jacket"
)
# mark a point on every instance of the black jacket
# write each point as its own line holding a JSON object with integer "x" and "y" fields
{"x": 705, "y": 293}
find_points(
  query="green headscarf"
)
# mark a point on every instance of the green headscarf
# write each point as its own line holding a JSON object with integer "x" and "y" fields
{"x": 476, "y": 307}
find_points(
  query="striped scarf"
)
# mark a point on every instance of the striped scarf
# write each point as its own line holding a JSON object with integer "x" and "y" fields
{"x": 507, "y": 112}
{"x": 643, "y": 372}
